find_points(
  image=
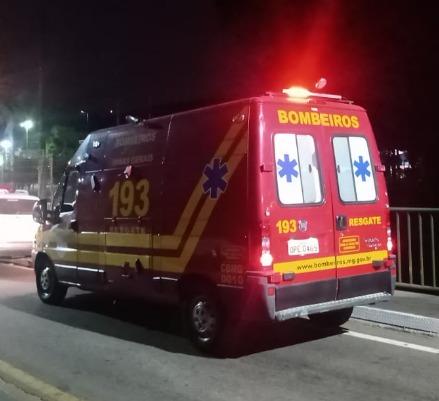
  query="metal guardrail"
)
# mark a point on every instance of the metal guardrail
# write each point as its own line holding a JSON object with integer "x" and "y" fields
{"x": 417, "y": 259}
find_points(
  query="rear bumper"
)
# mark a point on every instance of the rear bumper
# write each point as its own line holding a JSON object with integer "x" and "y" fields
{"x": 331, "y": 305}
{"x": 259, "y": 300}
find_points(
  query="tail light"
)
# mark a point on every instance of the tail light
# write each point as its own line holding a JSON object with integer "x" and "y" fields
{"x": 389, "y": 239}
{"x": 266, "y": 258}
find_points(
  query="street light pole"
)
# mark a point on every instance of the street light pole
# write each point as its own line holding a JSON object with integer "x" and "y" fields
{"x": 86, "y": 117}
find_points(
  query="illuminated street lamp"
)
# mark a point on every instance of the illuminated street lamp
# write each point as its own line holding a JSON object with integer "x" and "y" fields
{"x": 27, "y": 125}
{"x": 6, "y": 144}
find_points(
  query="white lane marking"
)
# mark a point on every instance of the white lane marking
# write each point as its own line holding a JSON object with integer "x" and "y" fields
{"x": 392, "y": 342}
{"x": 393, "y": 312}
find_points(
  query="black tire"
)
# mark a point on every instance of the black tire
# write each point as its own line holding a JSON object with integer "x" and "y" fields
{"x": 333, "y": 318}
{"x": 50, "y": 291}
{"x": 204, "y": 321}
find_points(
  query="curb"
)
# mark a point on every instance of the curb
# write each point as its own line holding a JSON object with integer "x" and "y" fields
{"x": 397, "y": 319}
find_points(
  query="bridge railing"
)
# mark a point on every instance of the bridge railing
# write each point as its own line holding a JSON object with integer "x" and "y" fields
{"x": 415, "y": 231}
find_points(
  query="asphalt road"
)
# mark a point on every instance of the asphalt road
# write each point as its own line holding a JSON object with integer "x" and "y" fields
{"x": 100, "y": 350}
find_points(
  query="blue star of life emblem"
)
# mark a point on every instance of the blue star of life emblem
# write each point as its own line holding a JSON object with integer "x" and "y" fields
{"x": 215, "y": 182}
{"x": 287, "y": 168}
{"x": 362, "y": 168}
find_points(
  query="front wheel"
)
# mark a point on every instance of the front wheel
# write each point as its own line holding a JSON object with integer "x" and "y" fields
{"x": 50, "y": 291}
{"x": 333, "y": 318}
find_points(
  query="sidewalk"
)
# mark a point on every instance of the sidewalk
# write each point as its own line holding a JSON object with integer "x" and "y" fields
{"x": 409, "y": 310}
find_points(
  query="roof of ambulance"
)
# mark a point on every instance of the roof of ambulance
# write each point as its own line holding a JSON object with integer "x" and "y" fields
{"x": 280, "y": 99}
{"x": 343, "y": 103}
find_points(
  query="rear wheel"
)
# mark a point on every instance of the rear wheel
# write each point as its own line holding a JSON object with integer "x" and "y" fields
{"x": 333, "y": 318}
{"x": 204, "y": 320}
{"x": 49, "y": 289}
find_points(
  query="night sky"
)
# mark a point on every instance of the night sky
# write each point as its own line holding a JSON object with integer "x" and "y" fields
{"x": 150, "y": 57}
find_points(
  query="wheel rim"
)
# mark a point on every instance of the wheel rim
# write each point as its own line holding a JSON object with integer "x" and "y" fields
{"x": 45, "y": 279}
{"x": 204, "y": 320}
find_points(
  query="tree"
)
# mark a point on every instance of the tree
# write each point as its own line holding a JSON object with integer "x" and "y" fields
{"x": 61, "y": 143}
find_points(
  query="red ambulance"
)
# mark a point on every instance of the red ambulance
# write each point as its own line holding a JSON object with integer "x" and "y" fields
{"x": 272, "y": 207}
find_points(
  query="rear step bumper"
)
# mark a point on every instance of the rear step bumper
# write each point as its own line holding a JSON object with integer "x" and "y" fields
{"x": 306, "y": 310}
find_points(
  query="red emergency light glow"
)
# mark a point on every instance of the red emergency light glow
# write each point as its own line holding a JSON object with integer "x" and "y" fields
{"x": 298, "y": 92}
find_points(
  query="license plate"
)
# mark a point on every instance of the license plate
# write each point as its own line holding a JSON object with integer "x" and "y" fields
{"x": 300, "y": 247}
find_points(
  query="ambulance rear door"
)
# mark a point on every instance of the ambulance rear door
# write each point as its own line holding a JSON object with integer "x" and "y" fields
{"x": 298, "y": 211}
{"x": 360, "y": 208}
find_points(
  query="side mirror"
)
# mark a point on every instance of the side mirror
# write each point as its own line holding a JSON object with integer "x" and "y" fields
{"x": 39, "y": 211}
{"x": 53, "y": 215}
{"x": 66, "y": 208}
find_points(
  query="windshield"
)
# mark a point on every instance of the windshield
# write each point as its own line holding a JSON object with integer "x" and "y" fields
{"x": 16, "y": 206}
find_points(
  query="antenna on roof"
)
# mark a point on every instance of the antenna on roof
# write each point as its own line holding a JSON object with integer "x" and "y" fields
{"x": 321, "y": 83}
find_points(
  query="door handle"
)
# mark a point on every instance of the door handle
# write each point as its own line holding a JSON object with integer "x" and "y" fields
{"x": 341, "y": 222}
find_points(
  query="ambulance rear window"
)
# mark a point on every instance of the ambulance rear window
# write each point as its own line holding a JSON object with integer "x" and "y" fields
{"x": 356, "y": 182}
{"x": 297, "y": 169}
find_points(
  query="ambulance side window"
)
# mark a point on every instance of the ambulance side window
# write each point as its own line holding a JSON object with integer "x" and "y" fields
{"x": 57, "y": 198}
{"x": 297, "y": 169}
{"x": 71, "y": 191}
{"x": 356, "y": 182}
